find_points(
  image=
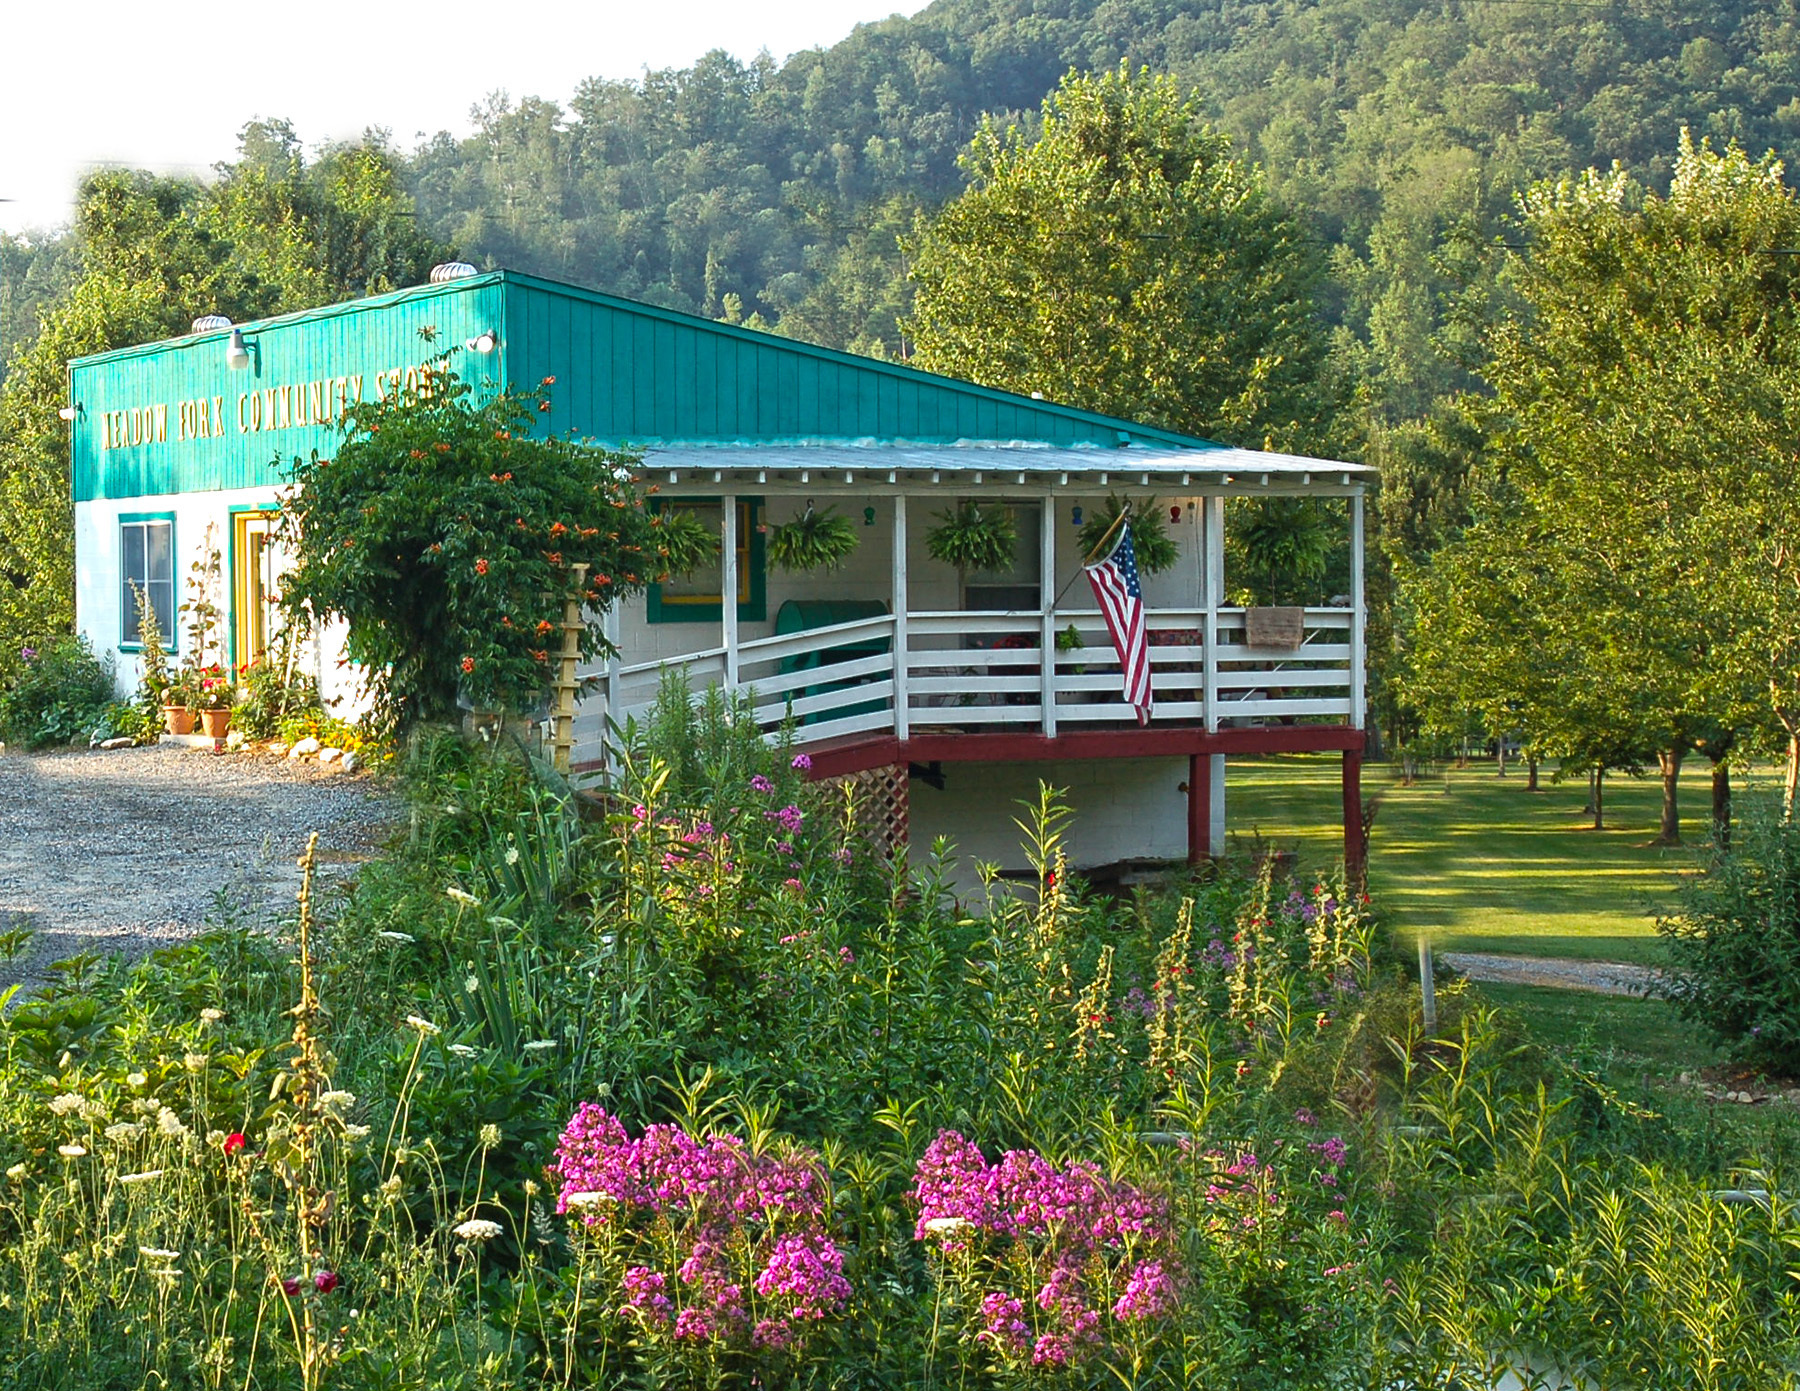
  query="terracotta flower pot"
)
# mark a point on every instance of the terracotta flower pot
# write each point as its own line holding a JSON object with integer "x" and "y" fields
{"x": 178, "y": 719}
{"x": 216, "y": 723}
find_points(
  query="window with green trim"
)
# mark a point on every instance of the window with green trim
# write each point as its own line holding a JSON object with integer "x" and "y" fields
{"x": 696, "y": 597}
{"x": 147, "y": 560}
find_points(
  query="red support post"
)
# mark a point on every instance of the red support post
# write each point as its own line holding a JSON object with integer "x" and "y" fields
{"x": 1199, "y": 808}
{"x": 1355, "y": 852}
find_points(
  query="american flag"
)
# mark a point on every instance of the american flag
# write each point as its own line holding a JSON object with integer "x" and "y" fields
{"x": 1115, "y": 581}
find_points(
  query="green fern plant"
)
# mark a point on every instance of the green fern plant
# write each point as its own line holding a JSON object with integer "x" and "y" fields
{"x": 812, "y": 541}
{"x": 974, "y": 537}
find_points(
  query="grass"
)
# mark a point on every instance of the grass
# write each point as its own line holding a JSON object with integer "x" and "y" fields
{"x": 1477, "y": 863}
{"x": 1643, "y": 1033}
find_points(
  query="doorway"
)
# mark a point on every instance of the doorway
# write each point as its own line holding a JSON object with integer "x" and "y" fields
{"x": 255, "y": 598}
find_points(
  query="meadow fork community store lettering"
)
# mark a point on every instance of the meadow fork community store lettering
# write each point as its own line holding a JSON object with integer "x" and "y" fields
{"x": 270, "y": 408}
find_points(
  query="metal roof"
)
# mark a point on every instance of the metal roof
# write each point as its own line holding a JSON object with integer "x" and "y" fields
{"x": 882, "y": 465}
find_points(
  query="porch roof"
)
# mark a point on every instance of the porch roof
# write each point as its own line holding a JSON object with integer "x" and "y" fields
{"x": 826, "y": 467}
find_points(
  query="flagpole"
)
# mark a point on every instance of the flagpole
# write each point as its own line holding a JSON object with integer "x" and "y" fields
{"x": 1104, "y": 545}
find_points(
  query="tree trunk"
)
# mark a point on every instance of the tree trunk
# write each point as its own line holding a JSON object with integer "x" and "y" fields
{"x": 1500, "y": 755}
{"x": 1721, "y": 803}
{"x": 1589, "y": 808}
{"x": 1531, "y": 783}
{"x": 1670, "y": 764}
{"x": 1791, "y": 784}
{"x": 1599, "y": 799}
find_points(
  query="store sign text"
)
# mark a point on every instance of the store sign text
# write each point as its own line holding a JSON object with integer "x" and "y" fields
{"x": 252, "y": 412}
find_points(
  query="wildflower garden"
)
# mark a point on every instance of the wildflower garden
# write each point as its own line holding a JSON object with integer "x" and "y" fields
{"x": 694, "y": 1087}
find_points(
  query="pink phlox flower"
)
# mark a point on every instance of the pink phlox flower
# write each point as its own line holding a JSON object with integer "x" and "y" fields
{"x": 761, "y": 784}
{"x": 1005, "y": 1325}
{"x": 1051, "y": 1350}
{"x": 774, "y": 1334}
{"x": 1149, "y": 1293}
{"x": 805, "y": 1275}
{"x": 694, "y": 1323}
{"x": 644, "y": 1293}
{"x": 802, "y": 763}
{"x": 1333, "y": 1151}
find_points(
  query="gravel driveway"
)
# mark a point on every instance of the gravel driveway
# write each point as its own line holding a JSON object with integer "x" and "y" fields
{"x": 126, "y": 850}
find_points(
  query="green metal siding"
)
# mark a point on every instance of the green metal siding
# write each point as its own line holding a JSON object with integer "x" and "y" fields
{"x": 293, "y": 353}
{"x": 626, "y": 373}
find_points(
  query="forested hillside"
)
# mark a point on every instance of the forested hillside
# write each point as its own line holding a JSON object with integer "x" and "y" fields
{"x": 1401, "y": 129}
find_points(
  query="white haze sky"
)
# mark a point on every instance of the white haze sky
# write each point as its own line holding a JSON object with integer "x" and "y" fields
{"x": 167, "y": 84}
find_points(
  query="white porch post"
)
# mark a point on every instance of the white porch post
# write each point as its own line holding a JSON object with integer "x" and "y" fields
{"x": 1358, "y": 621}
{"x": 728, "y": 591}
{"x": 1047, "y": 614}
{"x": 1214, "y": 553}
{"x": 610, "y": 705}
{"x": 902, "y": 720}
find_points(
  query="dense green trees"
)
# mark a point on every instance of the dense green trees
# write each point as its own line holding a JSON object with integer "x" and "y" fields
{"x": 1636, "y": 538}
{"x": 1122, "y": 260}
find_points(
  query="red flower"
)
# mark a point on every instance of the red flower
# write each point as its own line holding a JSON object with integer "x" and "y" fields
{"x": 539, "y": 655}
{"x": 468, "y": 664}
{"x": 325, "y": 1281}
{"x": 234, "y": 1142}
{"x": 554, "y": 557}
{"x": 548, "y": 381}
{"x": 544, "y": 625}
{"x": 543, "y": 405}
{"x": 481, "y": 567}
{"x": 291, "y": 1286}
{"x": 557, "y": 528}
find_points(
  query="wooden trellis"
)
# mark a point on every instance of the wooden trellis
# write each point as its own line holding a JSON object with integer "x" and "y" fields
{"x": 882, "y": 803}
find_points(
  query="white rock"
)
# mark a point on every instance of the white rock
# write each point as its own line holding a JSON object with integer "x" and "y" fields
{"x": 121, "y": 742}
{"x": 235, "y": 739}
{"x": 304, "y": 748}
{"x": 329, "y": 756}
{"x": 352, "y": 761}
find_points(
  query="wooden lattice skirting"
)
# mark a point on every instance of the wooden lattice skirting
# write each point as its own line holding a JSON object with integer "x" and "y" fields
{"x": 883, "y": 804}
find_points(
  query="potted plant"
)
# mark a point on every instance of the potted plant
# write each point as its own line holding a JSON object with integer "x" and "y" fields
{"x": 178, "y": 703}
{"x": 974, "y": 537}
{"x": 1150, "y": 544}
{"x": 812, "y": 541}
{"x": 216, "y": 696}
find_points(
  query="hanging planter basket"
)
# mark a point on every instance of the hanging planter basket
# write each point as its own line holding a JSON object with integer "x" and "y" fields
{"x": 1150, "y": 544}
{"x": 974, "y": 537}
{"x": 813, "y": 541}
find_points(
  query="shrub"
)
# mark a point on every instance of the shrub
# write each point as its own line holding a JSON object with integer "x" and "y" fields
{"x": 1734, "y": 945}
{"x": 62, "y": 693}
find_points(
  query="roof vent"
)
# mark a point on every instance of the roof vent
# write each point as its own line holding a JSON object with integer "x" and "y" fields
{"x": 452, "y": 270}
{"x": 206, "y": 323}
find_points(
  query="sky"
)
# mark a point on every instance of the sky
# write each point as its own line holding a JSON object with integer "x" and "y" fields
{"x": 167, "y": 84}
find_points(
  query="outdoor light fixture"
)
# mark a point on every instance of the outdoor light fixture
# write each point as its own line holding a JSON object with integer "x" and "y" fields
{"x": 484, "y": 342}
{"x": 237, "y": 351}
{"x": 69, "y": 412}
{"x": 1075, "y": 515}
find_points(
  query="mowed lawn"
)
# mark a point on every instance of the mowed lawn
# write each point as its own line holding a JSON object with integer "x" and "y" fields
{"x": 1479, "y": 863}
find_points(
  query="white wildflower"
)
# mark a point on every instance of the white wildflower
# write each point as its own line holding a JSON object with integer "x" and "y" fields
{"x": 144, "y": 1177}
{"x": 195, "y": 1062}
{"x": 540, "y": 1045}
{"x": 478, "y": 1229}
{"x": 390, "y": 1188}
{"x": 463, "y": 1050}
{"x": 512, "y": 854}
{"x": 531, "y": 1188}
{"x": 944, "y": 1226}
{"x": 16, "y": 1173}
{"x": 576, "y": 1202}
{"x": 146, "y": 1105}
{"x": 209, "y": 1015}
{"x": 214, "y": 1138}
{"x": 396, "y": 936}
{"x": 122, "y": 1131}
{"x": 135, "y": 1079}
{"x": 66, "y": 1103}
{"x": 461, "y": 895}
{"x": 168, "y": 1123}
{"x": 490, "y": 1136}
{"x": 424, "y": 1026}
{"x": 159, "y": 1253}
{"x": 357, "y": 1132}
{"x": 336, "y": 1104}
{"x": 471, "y": 985}
{"x": 71, "y": 1151}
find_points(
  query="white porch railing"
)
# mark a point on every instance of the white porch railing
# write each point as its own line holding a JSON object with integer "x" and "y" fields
{"x": 989, "y": 671}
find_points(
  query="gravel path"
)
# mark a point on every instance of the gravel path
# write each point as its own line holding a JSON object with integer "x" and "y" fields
{"x": 1603, "y": 977}
{"x": 126, "y": 850}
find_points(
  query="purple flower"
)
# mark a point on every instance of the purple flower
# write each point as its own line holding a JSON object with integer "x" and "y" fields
{"x": 805, "y": 1276}
{"x": 694, "y": 1324}
{"x": 761, "y": 784}
{"x": 802, "y": 763}
{"x": 1005, "y": 1326}
{"x": 28, "y": 653}
{"x": 1305, "y": 1117}
{"x": 1333, "y": 1151}
{"x": 790, "y": 817}
{"x": 1149, "y": 1293}
{"x": 644, "y": 1293}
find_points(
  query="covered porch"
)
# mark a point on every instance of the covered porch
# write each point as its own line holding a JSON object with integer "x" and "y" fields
{"x": 938, "y": 667}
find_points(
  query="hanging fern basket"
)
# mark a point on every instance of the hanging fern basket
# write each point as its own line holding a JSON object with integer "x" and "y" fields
{"x": 813, "y": 541}
{"x": 974, "y": 537}
{"x": 1150, "y": 543}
